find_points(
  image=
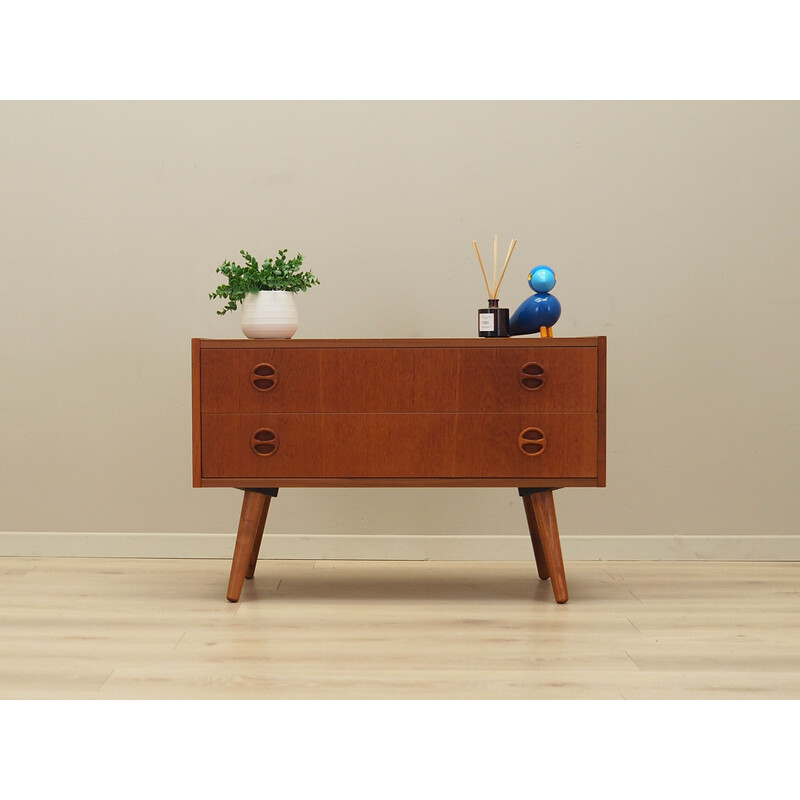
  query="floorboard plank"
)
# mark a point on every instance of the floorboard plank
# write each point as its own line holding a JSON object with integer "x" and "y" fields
{"x": 76, "y": 628}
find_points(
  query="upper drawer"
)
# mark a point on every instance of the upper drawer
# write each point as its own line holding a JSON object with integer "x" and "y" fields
{"x": 395, "y": 380}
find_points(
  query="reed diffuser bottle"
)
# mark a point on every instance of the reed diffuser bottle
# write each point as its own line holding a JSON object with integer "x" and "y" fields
{"x": 493, "y": 321}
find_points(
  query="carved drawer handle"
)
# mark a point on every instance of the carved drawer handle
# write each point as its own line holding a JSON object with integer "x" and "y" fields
{"x": 264, "y": 377}
{"x": 532, "y": 441}
{"x": 264, "y": 442}
{"x": 532, "y": 376}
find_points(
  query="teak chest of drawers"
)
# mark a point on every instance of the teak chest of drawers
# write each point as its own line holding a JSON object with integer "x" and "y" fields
{"x": 519, "y": 412}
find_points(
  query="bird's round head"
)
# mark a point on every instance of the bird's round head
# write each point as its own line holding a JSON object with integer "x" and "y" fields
{"x": 541, "y": 279}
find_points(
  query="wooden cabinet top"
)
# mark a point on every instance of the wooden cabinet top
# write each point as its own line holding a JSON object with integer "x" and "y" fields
{"x": 512, "y": 342}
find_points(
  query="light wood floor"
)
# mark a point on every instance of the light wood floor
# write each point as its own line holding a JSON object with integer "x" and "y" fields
{"x": 147, "y": 628}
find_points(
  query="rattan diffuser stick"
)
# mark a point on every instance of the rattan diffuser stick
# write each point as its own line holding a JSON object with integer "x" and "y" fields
{"x": 485, "y": 279}
{"x": 505, "y": 267}
{"x": 492, "y": 292}
{"x": 494, "y": 274}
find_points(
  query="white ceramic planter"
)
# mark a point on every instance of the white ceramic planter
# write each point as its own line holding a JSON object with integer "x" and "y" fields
{"x": 269, "y": 315}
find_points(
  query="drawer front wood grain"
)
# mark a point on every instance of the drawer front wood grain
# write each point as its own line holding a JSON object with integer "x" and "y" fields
{"x": 399, "y": 380}
{"x": 288, "y": 445}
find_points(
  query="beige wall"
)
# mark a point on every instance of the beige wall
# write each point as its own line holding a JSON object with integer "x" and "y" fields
{"x": 673, "y": 228}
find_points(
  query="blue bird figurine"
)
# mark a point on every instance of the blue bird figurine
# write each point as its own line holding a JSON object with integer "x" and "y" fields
{"x": 539, "y": 312}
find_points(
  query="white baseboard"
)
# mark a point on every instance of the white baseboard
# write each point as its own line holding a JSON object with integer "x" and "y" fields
{"x": 401, "y": 547}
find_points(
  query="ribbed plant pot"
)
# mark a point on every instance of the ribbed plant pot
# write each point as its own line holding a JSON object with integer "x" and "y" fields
{"x": 269, "y": 315}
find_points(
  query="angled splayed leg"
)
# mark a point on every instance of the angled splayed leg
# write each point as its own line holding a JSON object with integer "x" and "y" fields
{"x": 251, "y": 569}
{"x": 536, "y": 540}
{"x": 545, "y": 511}
{"x": 251, "y": 525}
{"x": 544, "y": 535}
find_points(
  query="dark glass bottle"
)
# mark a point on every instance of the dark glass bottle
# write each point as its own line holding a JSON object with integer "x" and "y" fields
{"x": 493, "y": 321}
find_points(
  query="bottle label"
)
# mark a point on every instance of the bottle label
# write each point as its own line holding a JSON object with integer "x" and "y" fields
{"x": 486, "y": 322}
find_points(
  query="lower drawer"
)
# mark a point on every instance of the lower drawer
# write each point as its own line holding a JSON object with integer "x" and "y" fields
{"x": 399, "y": 445}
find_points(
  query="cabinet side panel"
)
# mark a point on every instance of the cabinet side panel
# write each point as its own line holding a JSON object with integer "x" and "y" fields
{"x": 196, "y": 426}
{"x": 601, "y": 410}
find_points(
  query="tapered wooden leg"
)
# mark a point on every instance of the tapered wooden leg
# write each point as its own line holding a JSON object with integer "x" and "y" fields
{"x": 262, "y": 521}
{"x": 545, "y": 512}
{"x": 536, "y": 540}
{"x": 252, "y": 509}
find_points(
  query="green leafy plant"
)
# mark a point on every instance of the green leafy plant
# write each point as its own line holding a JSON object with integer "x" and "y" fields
{"x": 274, "y": 275}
